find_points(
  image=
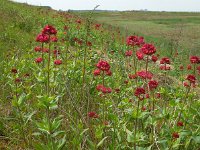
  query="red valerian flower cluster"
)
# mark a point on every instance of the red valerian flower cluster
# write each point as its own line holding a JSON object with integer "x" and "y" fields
{"x": 139, "y": 55}
{"x": 38, "y": 60}
{"x": 42, "y": 38}
{"x": 139, "y": 92}
{"x": 93, "y": 115}
{"x": 58, "y": 62}
{"x": 153, "y": 84}
{"x": 154, "y": 58}
{"x": 145, "y": 75}
{"x": 189, "y": 67}
{"x": 103, "y": 65}
{"x": 198, "y": 69}
{"x": 103, "y": 89}
{"x": 185, "y": 84}
{"x": 56, "y": 52}
{"x": 132, "y": 76}
{"x": 14, "y": 70}
{"x": 97, "y": 72}
{"x": 38, "y": 49}
{"x": 128, "y": 53}
{"x": 134, "y": 41}
{"x": 49, "y": 30}
{"x": 175, "y": 135}
{"x": 97, "y": 26}
{"x": 148, "y": 49}
{"x": 191, "y": 78}
{"x": 194, "y": 59}
{"x": 181, "y": 67}
{"x": 165, "y": 67}
{"x": 78, "y": 21}
{"x": 165, "y": 60}
{"x": 17, "y": 80}
{"x": 54, "y": 39}
{"x": 180, "y": 124}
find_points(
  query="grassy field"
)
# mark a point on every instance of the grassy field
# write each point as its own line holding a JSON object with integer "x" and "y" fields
{"x": 19, "y": 23}
{"x": 169, "y": 30}
{"x": 69, "y": 83}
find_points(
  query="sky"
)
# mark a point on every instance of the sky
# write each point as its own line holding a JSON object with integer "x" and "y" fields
{"x": 152, "y": 5}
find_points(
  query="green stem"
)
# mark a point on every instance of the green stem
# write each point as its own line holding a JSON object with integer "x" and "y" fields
{"x": 48, "y": 69}
{"x": 136, "y": 122}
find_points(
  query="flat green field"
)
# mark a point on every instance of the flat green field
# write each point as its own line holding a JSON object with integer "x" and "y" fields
{"x": 169, "y": 30}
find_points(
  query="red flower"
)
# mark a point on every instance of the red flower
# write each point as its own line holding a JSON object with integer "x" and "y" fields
{"x": 48, "y": 29}
{"x": 14, "y": 70}
{"x": 45, "y": 50}
{"x": 143, "y": 74}
{"x": 185, "y": 84}
{"x": 143, "y": 108}
{"x": 175, "y": 135}
{"x": 198, "y": 68}
{"x": 80, "y": 42}
{"x": 109, "y": 73}
{"x": 78, "y": 21}
{"x": 165, "y": 60}
{"x": 165, "y": 67}
{"x": 129, "y": 53}
{"x": 99, "y": 87}
{"x": 158, "y": 95}
{"x": 139, "y": 55}
{"x": 189, "y": 67}
{"x": 37, "y": 48}
{"x": 181, "y": 67}
{"x": 126, "y": 82}
{"x": 191, "y": 78}
{"x": 139, "y": 91}
{"x": 89, "y": 43}
{"x": 106, "y": 90}
{"x": 97, "y": 26}
{"x": 105, "y": 123}
{"x": 57, "y": 62}
{"x": 93, "y": 115}
{"x": 97, "y": 72}
{"x": 54, "y": 39}
{"x": 153, "y": 84}
{"x": 43, "y": 38}
{"x": 134, "y": 40}
{"x": 66, "y": 27}
{"x": 26, "y": 75}
{"x": 194, "y": 59}
{"x": 148, "y": 49}
{"x": 117, "y": 90}
{"x": 103, "y": 65}
{"x": 147, "y": 96}
{"x": 38, "y": 60}
{"x": 154, "y": 58}
{"x": 56, "y": 52}
{"x": 17, "y": 80}
{"x": 180, "y": 124}
{"x": 132, "y": 76}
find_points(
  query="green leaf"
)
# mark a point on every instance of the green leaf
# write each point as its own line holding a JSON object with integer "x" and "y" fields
{"x": 62, "y": 143}
{"x": 41, "y": 147}
{"x": 22, "y": 98}
{"x": 29, "y": 116}
{"x": 91, "y": 144}
{"x": 196, "y": 139}
{"x": 85, "y": 130}
{"x": 101, "y": 142}
{"x": 130, "y": 138}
